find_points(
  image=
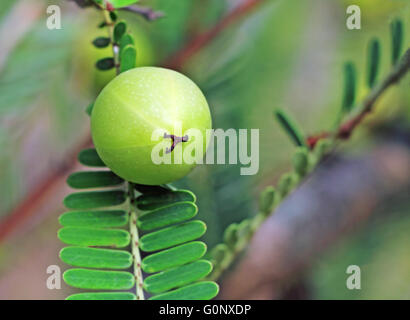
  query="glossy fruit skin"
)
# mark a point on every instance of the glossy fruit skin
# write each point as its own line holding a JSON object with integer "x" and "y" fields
{"x": 131, "y": 107}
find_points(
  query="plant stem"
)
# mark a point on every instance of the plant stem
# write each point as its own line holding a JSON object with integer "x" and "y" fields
{"x": 401, "y": 69}
{"x": 345, "y": 130}
{"x": 115, "y": 47}
{"x": 342, "y": 133}
{"x": 135, "y": 244}
{"x": 146, "y": 12}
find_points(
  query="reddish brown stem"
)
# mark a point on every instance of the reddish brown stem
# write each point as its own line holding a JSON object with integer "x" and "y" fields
{"x": 346, "y": 129}
{"x": 200, "y": 41}
{"x": 40, "y": 194}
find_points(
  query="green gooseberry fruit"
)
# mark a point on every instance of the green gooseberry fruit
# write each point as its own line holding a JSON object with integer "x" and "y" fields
{"x": 134, "y": 105}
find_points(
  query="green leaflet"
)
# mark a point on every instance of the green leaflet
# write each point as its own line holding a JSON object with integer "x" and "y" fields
{"x": 96, "y": 258}
{"x": 102, "y": 296}
{"x": 173, "y": 257}
{"x": 322, "y": 147}
{"x": 267, "y": 200}
{"x": 95, "y": 219}
{"x": 285, "y": 184}
{"x": 167, "y": 215}
{"x": 126, "y": 40}
{"x": 374, "y": 62}
{"x": 396, "y": 29}
{"x": 89, "y": 109}
{"x": 350, "y": 87}
{"x": 119, "y": 30}
{"x": 155, "y": 201}
{"x": 113, "y": 16}
{"x": 94, "y": 199}
{"x": 204, "y": 290}
{"x": 97, "y": 279}
{"x": 142, "y": 188}
{"x": 290, "y": 127}
{"x": 93, "y": 179}
{"x": 105, "y": 64}
{"x": 300, "y": 161}
{"x": 94, "y": 237}
{"x": 244, "y": 229}
{"x": 177, "y": 277}
{"x": 128, "y": 58}
{"x": 231, "y": 235}
{"x": 172, "y": 236}
{"x": 90, "y": 158}
{"x": 122, "y": 3}
{"x": 101, "y": 42}
{"x": 221, "y": 255}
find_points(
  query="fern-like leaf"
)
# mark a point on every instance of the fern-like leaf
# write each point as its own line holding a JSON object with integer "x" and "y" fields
{"x": 94, "y": 229}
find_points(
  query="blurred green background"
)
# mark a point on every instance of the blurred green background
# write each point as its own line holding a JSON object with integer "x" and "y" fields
{"x": 286, "y": 54}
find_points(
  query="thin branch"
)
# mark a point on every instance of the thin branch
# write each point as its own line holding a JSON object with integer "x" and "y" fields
{"x": 200, "y": 41}
{"x": 346, "y": 129}
{"x": 344, "y": 132}
{"x": 397, "y": 74}
{"x": 35, "y": 199}
{"x": 304, "y": 227}
{"x": 148, "y": 13}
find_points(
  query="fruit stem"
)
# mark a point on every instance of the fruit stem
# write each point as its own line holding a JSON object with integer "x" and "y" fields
{"x": 135, "y": 251}
{"x": 175, "y": 141}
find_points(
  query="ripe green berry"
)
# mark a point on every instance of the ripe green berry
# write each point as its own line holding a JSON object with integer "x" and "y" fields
{"x": 134, "y": 105}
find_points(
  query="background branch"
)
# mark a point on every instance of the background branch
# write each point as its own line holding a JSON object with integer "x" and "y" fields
{"x": 148, "y": 13}
{"x": 346, "y": 129}
{"x": 304, "y": 226}
{"x": 200, "y": 41}
{"x": 393, "y": 78}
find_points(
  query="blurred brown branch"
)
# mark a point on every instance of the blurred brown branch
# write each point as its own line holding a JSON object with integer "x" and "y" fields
{"x": 146, "y": 12}
{"x": 340, "y": 195}
{"x": 346, "y": 129}
{"x": 201, "y": 40}
{"x": 37, "y": 197}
